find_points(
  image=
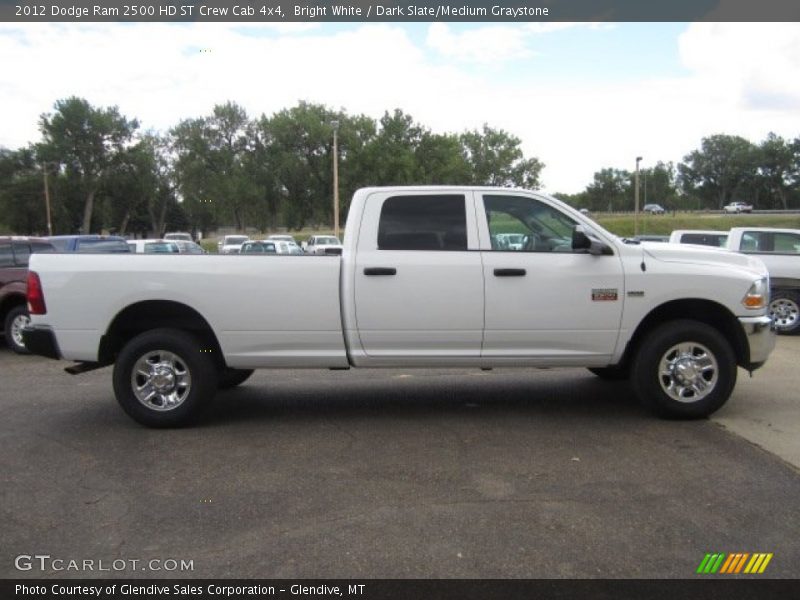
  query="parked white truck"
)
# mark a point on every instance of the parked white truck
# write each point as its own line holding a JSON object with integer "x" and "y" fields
{"x": 422, "y": 282}
{"x": 779, "y": 249}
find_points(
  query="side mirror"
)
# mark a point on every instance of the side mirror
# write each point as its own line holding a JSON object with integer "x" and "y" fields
{"x": 581, "y": 241}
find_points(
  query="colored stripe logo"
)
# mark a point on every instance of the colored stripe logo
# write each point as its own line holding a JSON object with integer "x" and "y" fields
{"x": 734, "y": 563}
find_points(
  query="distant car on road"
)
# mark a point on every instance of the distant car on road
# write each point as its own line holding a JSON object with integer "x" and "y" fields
{"x": 89, "y": 243}
{"x": 735, "y": 208}
{"x": 702, "y": 237}
{"x": 231, "y": 244}
{"x": 14, "y": 254}
{"x": 283, "y": 237}
{"x": 153, "y": 247}
{"x": 322, "y": 244}
{"x": 654, "y": 209}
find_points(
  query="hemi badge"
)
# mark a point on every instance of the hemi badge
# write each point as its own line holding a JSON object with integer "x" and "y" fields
{"x": 636, "y": 294}
{"x": 604, "y": 295}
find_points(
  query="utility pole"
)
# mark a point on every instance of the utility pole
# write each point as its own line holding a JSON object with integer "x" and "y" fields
{"x": 335, "y": 178}
{"x": 47, "y": 201}
{"x": 636, "y": 199}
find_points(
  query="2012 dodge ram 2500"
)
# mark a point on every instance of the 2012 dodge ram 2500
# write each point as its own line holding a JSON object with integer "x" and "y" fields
{"x": 426, "y": 279}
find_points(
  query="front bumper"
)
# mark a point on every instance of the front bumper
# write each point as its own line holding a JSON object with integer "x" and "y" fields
{"x": 41, "y": 340}
{"x": 760, "y": 334}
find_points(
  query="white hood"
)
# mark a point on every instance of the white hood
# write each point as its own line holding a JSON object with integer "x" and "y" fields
{"x": 704, "y": 255}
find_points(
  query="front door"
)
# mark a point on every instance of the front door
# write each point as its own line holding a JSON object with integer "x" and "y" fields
{"x": 545, "y": 302}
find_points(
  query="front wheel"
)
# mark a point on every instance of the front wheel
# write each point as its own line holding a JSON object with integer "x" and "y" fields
{"x": 784, "y": 308}
{"x": 684, "y": 369}
{"x": 16, "y": 320}
{"x": 163, "y": 379}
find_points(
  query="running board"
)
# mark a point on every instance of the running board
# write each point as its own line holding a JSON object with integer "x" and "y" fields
{"x": 85, "y": 367}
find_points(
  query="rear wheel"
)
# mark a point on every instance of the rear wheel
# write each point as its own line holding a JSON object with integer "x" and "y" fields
{"x": 784, "y": 308}
{"x": 163, "y": 379}
{"x": 16, "y": 320}
{"x": 230, "y": 378}
{"x": 684, "y": 369}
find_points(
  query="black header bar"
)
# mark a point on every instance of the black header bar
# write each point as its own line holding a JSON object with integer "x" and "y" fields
{"x": 520, "y": 11}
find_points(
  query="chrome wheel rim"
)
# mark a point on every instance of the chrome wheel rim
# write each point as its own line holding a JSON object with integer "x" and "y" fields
{"x": 688, "y": 372}
{"x": 17, "y": 325}
{"x": 784, "y": 313}
{"x": 161, "y": 380}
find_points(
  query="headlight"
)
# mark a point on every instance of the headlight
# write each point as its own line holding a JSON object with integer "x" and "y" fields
{"x": 757, "y": 296}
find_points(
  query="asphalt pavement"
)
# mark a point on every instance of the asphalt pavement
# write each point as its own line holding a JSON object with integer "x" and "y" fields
{"x": 397, "y": 473}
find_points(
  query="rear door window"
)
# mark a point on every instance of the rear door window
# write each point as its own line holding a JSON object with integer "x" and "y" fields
{"x": 430, "y": 222}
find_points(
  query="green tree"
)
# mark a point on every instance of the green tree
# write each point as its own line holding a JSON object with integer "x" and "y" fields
{"x": 717, "y": 171}
{"x": 22, "y": 191}
{"x": 88, "y": 141}
{"x": 213, "y": 167}
{"x": 610, "y": 190}
{"x": 138, "y": 190}
{"x": 495, "y": 158}
{"x": 299, "y": 150}
{"x": 779, "y": 167}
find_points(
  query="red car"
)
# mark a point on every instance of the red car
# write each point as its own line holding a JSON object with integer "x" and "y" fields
{"x": 14, "y": 254}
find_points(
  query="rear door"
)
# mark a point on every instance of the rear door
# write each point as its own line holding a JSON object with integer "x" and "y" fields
{"x": 418, "y": 278}
{"x": 544, "y": 301}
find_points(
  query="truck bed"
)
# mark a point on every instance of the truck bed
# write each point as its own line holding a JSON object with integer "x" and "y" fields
{"x": 267, "y": 310}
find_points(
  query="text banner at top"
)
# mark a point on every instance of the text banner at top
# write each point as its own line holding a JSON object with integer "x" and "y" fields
{"x": 394, "y": 11}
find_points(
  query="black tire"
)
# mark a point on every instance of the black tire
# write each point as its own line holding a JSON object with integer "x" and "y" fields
{"x": 706, "y": 359}
{"x": 230, "y": 378}
{"x": 616, "y": 373}
{"x": 784, "y": 308}
{"x": 16, "y": 317}
{"x": 176, "y": 353}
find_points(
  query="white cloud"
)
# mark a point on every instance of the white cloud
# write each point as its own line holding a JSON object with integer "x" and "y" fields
{"x": 752, "y": 63}
{"x": 484, "y": 45}
{"x": 741, "y": 79}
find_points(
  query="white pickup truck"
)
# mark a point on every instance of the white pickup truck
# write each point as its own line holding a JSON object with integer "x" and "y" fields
{"x": 422, "y": 282}
{"x": 779, "y": 249}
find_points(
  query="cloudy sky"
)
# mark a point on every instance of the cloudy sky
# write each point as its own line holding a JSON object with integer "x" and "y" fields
{"x": 581, "y": 97}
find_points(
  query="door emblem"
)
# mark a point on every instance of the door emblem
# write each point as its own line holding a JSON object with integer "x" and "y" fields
{"x": 604, "y": 295}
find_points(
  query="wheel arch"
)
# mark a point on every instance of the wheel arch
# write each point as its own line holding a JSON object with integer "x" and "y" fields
{"x": 9, "y": 301}
{"x": 156, "y": 314}
{"x": 702, "y": 310}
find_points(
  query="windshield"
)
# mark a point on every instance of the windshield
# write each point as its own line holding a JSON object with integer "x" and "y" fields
{"x": 328, "y": 241}
{"x": 235, "y": 240}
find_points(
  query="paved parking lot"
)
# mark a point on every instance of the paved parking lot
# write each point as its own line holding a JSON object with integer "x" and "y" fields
{"x": 395, "y": 473}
